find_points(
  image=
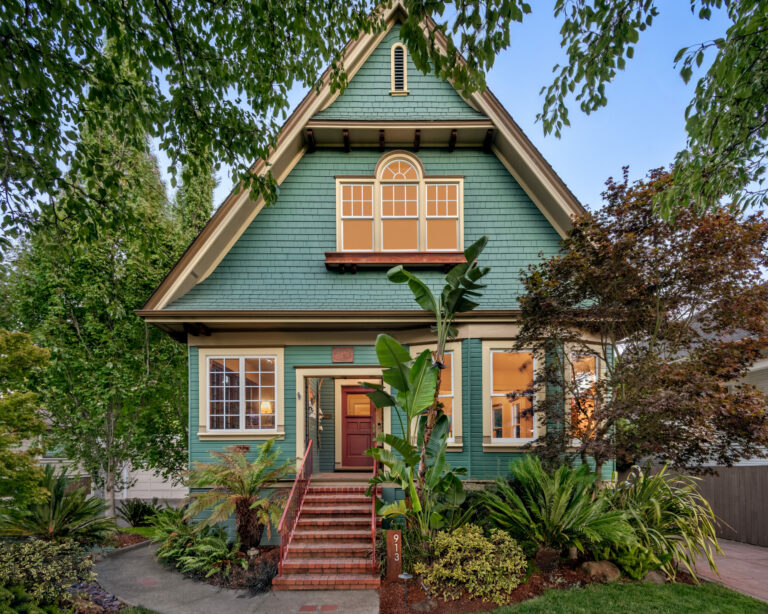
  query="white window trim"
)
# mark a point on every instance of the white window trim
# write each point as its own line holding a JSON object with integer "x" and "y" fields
{"x": 422, "y": 181}
{"x": 455, "y": 444}
{"x": 204, "y": 430}
{"x": 457, "y": 217}
{"x": 392, "y": 90}
{"x": 491, "y": 443}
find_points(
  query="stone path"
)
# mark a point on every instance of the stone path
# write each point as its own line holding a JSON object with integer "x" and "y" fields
{"x": 742, "y": 567}
{"x": 137, "y": 578}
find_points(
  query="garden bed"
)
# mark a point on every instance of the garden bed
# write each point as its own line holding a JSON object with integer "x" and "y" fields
{"x": 122, "y": 540}
{"x": 391, "y": 593}
{"x": 262, "y": 567}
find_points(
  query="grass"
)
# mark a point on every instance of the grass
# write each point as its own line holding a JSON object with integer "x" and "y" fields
{"x": 640, "y": 598}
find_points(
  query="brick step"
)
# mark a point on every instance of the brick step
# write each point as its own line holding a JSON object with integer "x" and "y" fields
{"x": 344, "y": 522}
{"x": 362, "y": 535}
{"x": 347, "y": 565}
{"x": 307, "y": 582}
{"x": 337, "y": 500}
{"x": 313, "y": 509}
{"x": 310, "y": 549}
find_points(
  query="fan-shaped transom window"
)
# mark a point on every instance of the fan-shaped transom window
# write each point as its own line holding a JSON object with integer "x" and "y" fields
{"x": 400, "y": 209}
{"x": 399, "y": 79}
{"x": 399, "y": 170}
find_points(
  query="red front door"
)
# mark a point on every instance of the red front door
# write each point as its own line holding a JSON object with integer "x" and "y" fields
{"x": 357, "y": 413}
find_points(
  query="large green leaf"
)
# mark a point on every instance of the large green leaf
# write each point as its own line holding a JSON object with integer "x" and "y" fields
{"x": 395, "y": 360}
{"x": 378, "y": 395}
{"x": 404, "y": 448}
{"x": 422, "y": 382}
{"x": 420, "y": 290}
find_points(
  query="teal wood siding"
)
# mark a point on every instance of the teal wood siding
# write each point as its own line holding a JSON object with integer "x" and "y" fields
{"x": 294, "y": 356}
{"x": 279, "y": 261}
{"x": 327, "y": 439}
{"x": 367, "y": 95}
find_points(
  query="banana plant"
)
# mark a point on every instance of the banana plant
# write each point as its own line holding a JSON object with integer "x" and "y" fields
{"x": 461, "y": 287}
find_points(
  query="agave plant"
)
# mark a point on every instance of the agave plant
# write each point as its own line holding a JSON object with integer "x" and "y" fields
{"x": 237, "y": 486}
{"x": 672, "y": 521}
{"x": 555, "y": 511}
{"x": 65, "y": 513}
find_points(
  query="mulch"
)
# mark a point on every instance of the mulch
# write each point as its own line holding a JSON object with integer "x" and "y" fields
{"x": 391, "y": 593}
{"x": 127, "y": 539}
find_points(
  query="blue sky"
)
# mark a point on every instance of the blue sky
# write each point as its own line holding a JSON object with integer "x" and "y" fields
{"x": 643, "y": 124}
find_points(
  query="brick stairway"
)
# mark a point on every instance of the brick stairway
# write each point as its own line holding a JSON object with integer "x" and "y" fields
{"x": 331, "y": 546}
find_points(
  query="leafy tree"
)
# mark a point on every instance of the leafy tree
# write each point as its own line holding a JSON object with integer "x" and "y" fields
{"x": 673, "y": 313}
{"x": 216, "y": 77}
{"x": 194, "y": 199}
{"x": 20, "y": 418}
{"x": 236, "y": 486}
{"x": 115, "y": 389}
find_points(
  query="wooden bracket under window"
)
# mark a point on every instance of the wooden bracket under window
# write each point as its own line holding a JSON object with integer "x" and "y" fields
{"x": 351, "y": 261}
{"x": 452, "y": 141}
{"x": 345, "y": 136}
{"x": 416, "y": 140}
{"x": 381, "y": 140}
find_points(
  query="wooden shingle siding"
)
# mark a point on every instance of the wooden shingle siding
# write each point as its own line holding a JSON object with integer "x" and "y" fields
{"x": 327, "y": 445}
{"x": 279, "y": 261}
{"x": 367, "y": 95}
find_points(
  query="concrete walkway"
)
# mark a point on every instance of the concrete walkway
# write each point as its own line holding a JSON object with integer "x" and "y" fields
{"x": 137, "y": 578}
{"x": 742, "y": 567}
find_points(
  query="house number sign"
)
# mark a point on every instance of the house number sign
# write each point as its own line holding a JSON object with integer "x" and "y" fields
{"x": 394, "y": 554}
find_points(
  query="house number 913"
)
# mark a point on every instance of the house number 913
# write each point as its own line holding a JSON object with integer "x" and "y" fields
{"x": 394, "y": 558}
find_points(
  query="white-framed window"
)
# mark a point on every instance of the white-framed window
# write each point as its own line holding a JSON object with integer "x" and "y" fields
{"x": 584, "y": 374}
{"x": 399, "y": 209}
{"x": 357, "y": 217}
{"x": 399, "y": 70}
{"x": 242, "y": 393}
{"x": 450, "y": 388}
{"x": 512, "y": 396}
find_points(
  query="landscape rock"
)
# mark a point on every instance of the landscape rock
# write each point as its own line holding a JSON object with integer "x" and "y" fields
{"x": 654, "y": 577}
{"x": 603, "y": 571}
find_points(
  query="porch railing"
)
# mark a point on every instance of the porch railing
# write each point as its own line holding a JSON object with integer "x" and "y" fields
{"x": 293, "y": 506}
{"x": 373, "y": 518}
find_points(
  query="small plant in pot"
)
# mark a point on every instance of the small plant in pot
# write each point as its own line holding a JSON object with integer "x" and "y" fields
{"x": 549, "y": 513}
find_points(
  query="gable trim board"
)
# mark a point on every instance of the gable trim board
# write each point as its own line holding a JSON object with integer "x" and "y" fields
{"x": 521, "y": 158}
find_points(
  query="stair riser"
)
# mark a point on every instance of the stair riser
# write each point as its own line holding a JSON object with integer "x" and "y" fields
{"x": 341, "y": 523}
{"x": 327, "y": 551}
{"x": 291, "y": 584}
{"x": 354, "y": 512}
{"x": 357, "y": 569}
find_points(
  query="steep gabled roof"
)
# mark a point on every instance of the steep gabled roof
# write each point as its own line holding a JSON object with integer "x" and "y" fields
{"x": 521, "y": 158}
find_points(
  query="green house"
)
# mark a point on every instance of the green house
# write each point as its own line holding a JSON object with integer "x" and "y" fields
{"x": 280, "y": 306}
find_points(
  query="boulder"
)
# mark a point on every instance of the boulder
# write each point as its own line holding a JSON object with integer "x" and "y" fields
{"x": 602, "y": 571}
{"x": 654, "y": 577}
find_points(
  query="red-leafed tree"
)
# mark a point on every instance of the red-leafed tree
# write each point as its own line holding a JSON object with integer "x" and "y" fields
{"x": 645, "y": 328}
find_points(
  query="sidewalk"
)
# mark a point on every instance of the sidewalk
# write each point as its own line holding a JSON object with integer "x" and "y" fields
{"x": 742, "y": 567}
{"x": 137, "y": 578}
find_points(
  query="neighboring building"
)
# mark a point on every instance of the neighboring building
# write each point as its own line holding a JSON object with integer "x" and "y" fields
{"x": 280, "y": 306}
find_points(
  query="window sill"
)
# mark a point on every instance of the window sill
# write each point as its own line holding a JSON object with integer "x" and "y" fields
{"x": 398, "y": 92}
{"x": 243, "y": 436}
{"x": 454, "y": 447}
{"x": 507, "y": 447}
{"x": 351, "y": 261}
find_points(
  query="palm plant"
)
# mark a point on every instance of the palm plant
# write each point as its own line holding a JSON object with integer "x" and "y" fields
{"x": 555, "y": 511}
{"x": 64, "y": 513}
{"x": 672, "y": 521}
{"x": 236, "y": 486}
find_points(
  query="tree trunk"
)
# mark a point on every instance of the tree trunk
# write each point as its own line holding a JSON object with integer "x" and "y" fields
{"x": 109, "y": 492}
{"x": 249, "y": 529}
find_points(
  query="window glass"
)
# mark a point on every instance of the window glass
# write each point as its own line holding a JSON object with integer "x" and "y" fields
{"x": 357, "y": 217}
{"x": 445, "y": 395}
{"x": 399, "y": 170}
{"x": 442, "y": 217}
{"x": 584, "y": 390}
{"x": 400, "y": 217}
{"x": 512, "y": 394}
{"x": 241, "y": 393}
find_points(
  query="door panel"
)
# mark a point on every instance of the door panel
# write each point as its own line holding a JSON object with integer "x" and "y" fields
{"x": 357, "y": 422}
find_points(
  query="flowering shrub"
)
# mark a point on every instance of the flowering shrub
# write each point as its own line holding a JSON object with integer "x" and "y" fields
{"x": 486, "y": 567}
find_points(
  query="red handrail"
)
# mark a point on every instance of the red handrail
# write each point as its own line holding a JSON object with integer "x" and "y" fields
{"x": 293, "y": 505}
{"x": 373, "y": 519}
